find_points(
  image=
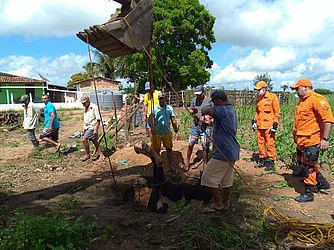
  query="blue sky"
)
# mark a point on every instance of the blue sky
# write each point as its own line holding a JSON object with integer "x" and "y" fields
{"x": 289, "y": 39}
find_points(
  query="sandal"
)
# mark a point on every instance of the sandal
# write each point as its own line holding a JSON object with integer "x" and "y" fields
{"x": 84, "y": 158}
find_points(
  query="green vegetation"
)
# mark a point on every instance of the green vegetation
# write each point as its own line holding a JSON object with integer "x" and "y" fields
{"x": 264, "y": 77}
{"x": 25, "y": 231}
{"x": 323, "y": 91}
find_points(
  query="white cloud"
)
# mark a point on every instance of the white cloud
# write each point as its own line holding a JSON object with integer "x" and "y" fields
{"x": 52, "y": 17}
{"x": 57, "y": 70}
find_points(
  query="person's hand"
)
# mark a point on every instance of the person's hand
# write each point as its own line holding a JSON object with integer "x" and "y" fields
{"x": 324, "y": 144}
{"x": 194, "y": 110}
{"x": 176, "y": 136}
{"x": 94, "y": 132}
{"x": 49, "y": 129}
{"x": 273, "y": 128}
{"x": 254, "y": 125}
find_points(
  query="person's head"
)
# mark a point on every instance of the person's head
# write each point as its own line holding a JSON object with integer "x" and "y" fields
{"x": 45, "y": 98}
{"x": 302, "y": 87}
{"x": 147, "y": 87}
{"x": 25, "y": 99}
{"x": 219, "y": 97}
{"x": 200, "y": 92}
{"x": 162, "y": 99}
{"x": 261, "y": 87}
{"x": 85, "y": 101}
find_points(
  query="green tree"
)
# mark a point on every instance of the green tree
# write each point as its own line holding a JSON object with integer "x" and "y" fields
{"x": 264, "y": 77}
{"x": 77, "y": 78}
{"x": 284, "y": 87}
{"x": 323, "y": 91}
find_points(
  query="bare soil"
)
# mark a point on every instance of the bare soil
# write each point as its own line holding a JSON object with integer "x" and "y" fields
{"x": 40, "y": 182}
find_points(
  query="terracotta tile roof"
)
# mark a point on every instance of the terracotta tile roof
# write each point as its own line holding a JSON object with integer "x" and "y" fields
{"x": 8, "y": 78}
{"x": 97, "y": 78}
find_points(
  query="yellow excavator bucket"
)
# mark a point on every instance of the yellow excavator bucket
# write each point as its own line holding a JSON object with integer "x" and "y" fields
{"x": 126, "y": 32}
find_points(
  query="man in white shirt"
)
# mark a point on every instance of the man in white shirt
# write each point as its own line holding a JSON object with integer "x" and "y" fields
{"x": 91, "y": 125}
{"x": 30, "y": 121}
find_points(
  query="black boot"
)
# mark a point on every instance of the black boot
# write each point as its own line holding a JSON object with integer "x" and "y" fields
{"x": 322, "y": 183}
{"x": 35, "y": 143}
{"x": 269, "y": 164}
{"x": 307, "y": 196}
{"x": 260, "y": 163}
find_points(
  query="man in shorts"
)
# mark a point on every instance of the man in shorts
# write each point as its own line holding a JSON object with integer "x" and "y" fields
{"x": 50, "y": 132}
{"x": 149, "y": 104}
{"x": 219, "y": 172}
{"x": 164, "y": 116}
{"x": 92, "y": 121}
{"x": 196, "y": 106}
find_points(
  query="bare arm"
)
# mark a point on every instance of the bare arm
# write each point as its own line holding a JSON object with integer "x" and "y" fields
{"x": 52, "y": 115}
{"x": 98, "y": 122}
{"x": 327, "y": 128}
{"x": 145, "y": 111}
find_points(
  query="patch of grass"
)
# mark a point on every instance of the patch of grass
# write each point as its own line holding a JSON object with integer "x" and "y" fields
{"x": 25, "y": 231}
{"x": 177, "y": 207}
{"x": 6, "y": 184}
{"x": 69, "y": 203}
{"x": 13, "y": 144}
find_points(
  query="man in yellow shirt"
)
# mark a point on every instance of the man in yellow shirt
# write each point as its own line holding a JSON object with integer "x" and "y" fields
{"x": 149, "y": 104}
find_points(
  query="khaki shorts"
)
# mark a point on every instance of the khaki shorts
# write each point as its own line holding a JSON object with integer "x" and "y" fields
{"x": 167, "y": 142}
{"x": 218, "y": 174}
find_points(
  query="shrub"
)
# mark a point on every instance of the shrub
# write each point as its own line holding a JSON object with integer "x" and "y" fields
{"x": 323, "y": 91}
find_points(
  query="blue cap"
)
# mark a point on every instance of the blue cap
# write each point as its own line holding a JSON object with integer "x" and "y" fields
{"x": 199, "y": 90}
{"x": 147, "y": 85}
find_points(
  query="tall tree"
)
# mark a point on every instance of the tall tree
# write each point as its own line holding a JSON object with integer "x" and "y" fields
{"x": 264, "y": 77}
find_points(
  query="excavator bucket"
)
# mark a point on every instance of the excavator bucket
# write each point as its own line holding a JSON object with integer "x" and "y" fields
{"x": 126, "y": 32}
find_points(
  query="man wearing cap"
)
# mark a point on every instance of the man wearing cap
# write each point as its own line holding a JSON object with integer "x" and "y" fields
{"x": 30, "y": 121}
{"x": 197, "y": 104}
{"x": 312, "y": 127}
{"x": 219, "y": 172}
{"x": 164, "y": 116}
{"x": 265, "y": 121}
{"x": 91, "y": 124}
{"x": 149, "y": 104}
{"x": 50, "y": 132}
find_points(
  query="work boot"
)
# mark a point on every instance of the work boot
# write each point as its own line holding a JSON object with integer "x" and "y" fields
{"x": 297, "y": 173}
{"x": 35, "y": 143}
{"x": 260, "y": 163}
{"x": 322, "y": 183}
{"x": 269, "y": 164}
{"x": 307, "y": 196}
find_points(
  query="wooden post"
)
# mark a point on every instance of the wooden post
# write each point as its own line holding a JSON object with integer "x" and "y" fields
{"x": 126, "y": 123}
{"x": 116, "y": 120}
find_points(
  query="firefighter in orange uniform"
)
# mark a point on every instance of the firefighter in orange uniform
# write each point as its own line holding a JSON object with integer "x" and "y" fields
{"x": 312, "y": 127}
{"x": 265, "y": 121}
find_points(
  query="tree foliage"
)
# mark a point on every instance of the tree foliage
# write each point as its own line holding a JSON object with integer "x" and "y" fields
{"x": 323, "y": 91}
{"x": 263, "y": 77}
{"x": 284, "y": 87}
{"x": 77, "y": 78}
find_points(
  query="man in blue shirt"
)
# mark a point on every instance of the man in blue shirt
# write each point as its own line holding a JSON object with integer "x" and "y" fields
{"x": 51, "y": 124}
{"x": 226, "y": 150}
{"x": 164, "y": 116}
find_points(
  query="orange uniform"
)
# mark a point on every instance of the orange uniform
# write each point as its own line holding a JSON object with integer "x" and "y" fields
{"x": 311, "y": 112}
{"x": 267, "y": 112}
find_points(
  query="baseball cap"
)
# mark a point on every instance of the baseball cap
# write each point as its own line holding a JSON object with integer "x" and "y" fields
{"x": 24, "y": 97}
{"x": 302, "y": 82}
{"x": 84, "y": 99}
{"x": 147, "y": 85}
{"x": 260, "y": 85}
{"x": 199, "y": 90}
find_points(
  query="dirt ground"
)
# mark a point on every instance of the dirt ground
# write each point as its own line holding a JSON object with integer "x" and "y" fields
{"x": 40, "y": 181}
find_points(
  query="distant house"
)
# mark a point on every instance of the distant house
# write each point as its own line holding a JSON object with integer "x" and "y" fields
{"x": 61, "y": 93}
{"x": 12, "y": 87}
{"x": 87, "y": 86}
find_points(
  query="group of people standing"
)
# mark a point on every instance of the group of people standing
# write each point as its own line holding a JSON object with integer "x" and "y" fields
{"x": 313, "y": 122}
{"x": 215, "y": 123}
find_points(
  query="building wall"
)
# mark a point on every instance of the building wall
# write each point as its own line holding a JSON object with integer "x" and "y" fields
{"x": 100, "y": 84}
{"x": 5, "y": 96}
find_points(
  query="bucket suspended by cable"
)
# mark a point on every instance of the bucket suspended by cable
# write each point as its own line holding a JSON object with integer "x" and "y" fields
{"x": 126, "y": 32}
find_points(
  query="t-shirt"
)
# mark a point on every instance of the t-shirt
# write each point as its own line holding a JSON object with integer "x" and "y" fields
{"x": 148, "y": 101}
{"x": 91, "y": 116}
{"x": 199, "y": 105}
{"x": 224, "y": 133}
{"x": 162, "y": 119}
{"x": 30, "y": 114}
{"x": 49, "y": 108}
